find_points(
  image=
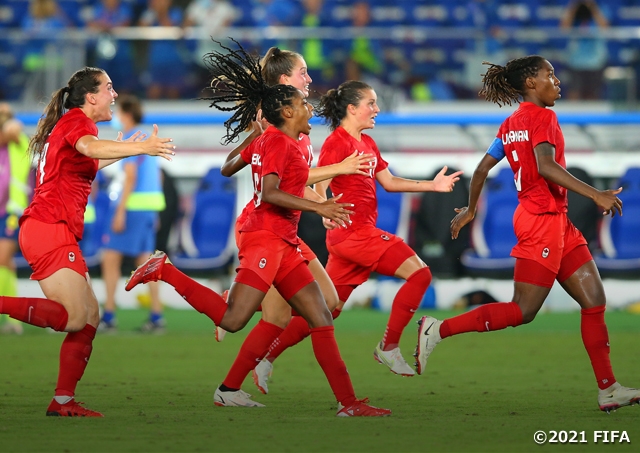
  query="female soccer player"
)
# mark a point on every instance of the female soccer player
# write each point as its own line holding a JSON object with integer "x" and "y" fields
{"x": 268, "y": 238}
{"x": 549, "y": 246}
{"x": 362, "y": 248}
{"x": 287, "y": 68}
{"x": 69, "y": 154}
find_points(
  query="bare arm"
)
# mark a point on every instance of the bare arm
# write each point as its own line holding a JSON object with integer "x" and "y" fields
{"x": 466, "y": 214}
{"x": 441, "y": 183}
{"x": 92, "y": 147}
{"x": 353, "y": 165}
{"x": 549, "y": 169}
{"x": 272, "y": 194}
{"x": 234, "y": 163}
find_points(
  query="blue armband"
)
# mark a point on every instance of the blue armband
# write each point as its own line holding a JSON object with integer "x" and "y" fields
{"x": 496, "y": 149}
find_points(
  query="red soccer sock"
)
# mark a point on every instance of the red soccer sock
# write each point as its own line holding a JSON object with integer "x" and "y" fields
{"x": 405, "y": 305}
{"x": 596, "y": 341}
{"x": 253, "y": 349}
{"x": 203, "y": 299}
{"x": 74, "y": 357}
{"x": 327, "y": 354}
{"x": 485, "y": 318}
{"x": 36, "y": 311}
{"x": 296, "y": 331}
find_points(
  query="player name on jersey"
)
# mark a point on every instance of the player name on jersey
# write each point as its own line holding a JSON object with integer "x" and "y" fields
{"x": 515, "y": 136}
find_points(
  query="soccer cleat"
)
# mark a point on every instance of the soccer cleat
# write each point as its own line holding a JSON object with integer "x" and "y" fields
{"x": 220, "y": 332}
{"x": 428, "y": 338}
{"x": 70, "y": 409}
{"x": 149, "y": 271}
{"x": 394, "y": 360}
{"x": 261, "y": 374}
{"x": 106, "y": 327}
{"x": 158, "y": 326}
{"x": 360, "y": 408}
{"x": 238, "y": 398}
{"x": 617, "y": 396}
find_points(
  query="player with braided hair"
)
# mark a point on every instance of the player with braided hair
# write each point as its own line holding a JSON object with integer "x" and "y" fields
{"x": 549, "y": 246}
{"x": 268, "y": 238}
{"x": 281, "y": 66}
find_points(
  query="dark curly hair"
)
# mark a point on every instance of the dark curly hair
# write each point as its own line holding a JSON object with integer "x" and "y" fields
{"x": 238, "y": 86}
{"x": 505, "y": 84}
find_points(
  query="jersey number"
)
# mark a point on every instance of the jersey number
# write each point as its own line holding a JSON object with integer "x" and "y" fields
{"x": 518, "y": 176}
{"x": 43, "y": 161}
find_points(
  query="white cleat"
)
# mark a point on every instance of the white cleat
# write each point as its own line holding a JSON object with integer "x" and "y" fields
{"x": 261, "y": 374}
{"x": 617, "y": 396}
{"x": 238, "y": 398}
{"x": 394, "y": 360}
{"x": 428, "y": 338}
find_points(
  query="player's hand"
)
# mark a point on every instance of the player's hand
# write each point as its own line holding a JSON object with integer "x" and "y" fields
{"x": 357, "y": 164}
{"x": 338, "y": 212}
{"x": 608, "y": 201}
{"x": 462, "y": 217}
{"x": 156, "y": 146}
{"x": 445, "y": 183}
{"x": 329, "y": 224}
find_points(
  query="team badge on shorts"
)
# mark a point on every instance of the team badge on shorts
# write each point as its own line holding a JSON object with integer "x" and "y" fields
{"x": 72, "y": 257}
{"x": 545, "y": 252}
{"x": 385, "y": 237}
{"x": 263, "y": 263}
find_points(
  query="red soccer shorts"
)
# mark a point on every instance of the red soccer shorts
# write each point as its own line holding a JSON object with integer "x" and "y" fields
{"x": 352, "y": 260}
{"x": 270, "y": 258}
{"x": 304, "y": 248}
{"x": 545, "y": 238}
{"x": 49, "y": 247}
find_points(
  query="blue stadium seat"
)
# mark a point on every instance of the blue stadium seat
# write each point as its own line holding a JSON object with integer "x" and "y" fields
{"x": 207, "y": 232}
{"x": 619, "y": 235}
{"x": 492, "y": 233}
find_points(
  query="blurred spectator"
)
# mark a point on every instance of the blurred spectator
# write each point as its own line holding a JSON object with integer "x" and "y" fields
{"x": 489, "y": 46}
{"x": 211, "y": 17}
{"x": 14, "y": 192}
{"x": 168, "y": 59}
{"x": 43, "y": 20}
{"x": 136, "y": 198}
{"x": 586, "y": 55}
{"x": 114, "y": 56}
{"x": 364, "y": 56}
{"x": 276, "y": 13}
{"x": 316, "y": 52}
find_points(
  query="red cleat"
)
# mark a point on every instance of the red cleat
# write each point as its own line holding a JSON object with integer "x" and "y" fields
{"x": 70, "y": 409}
{"x": 360, "y": 408}
{"x": 149, "y": 271}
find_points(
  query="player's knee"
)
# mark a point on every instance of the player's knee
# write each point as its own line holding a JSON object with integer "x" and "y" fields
{"x": 528, "y": 316}
{"x": 422, "y": 277}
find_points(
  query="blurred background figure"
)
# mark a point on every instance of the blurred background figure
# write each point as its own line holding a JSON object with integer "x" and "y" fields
{"x": 112, "y": 55}
{"x": 316, "y": 51}
{"x": 14, "y": 194}
{"x": 587, "y": 55}
{"x": 136, "y": 198}
{"x": 364, "y": 56}
{"x": 169, "y": 60}
{"x": 211, "y": 17}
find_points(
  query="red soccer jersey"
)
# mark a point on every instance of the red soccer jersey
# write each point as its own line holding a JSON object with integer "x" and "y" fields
{"x": 64, "y": 175}
{"x": 357, "y": 189}
{"x": 520, "y": 133}
{"x": 276, "y": 153}
{"x": 245, "y": 154}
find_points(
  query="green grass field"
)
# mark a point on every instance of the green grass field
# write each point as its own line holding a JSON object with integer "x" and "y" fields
{"x": 481, "y": 392}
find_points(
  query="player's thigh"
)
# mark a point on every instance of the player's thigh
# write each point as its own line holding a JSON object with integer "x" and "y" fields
{"x": 75, "y": 294}
{"x": 324, "y": 281}
{"x": 529, "y": 298}
{"x": 310, "y": 304}
{"x": 275, "y": 309}
{"x": 585, "y": 286}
